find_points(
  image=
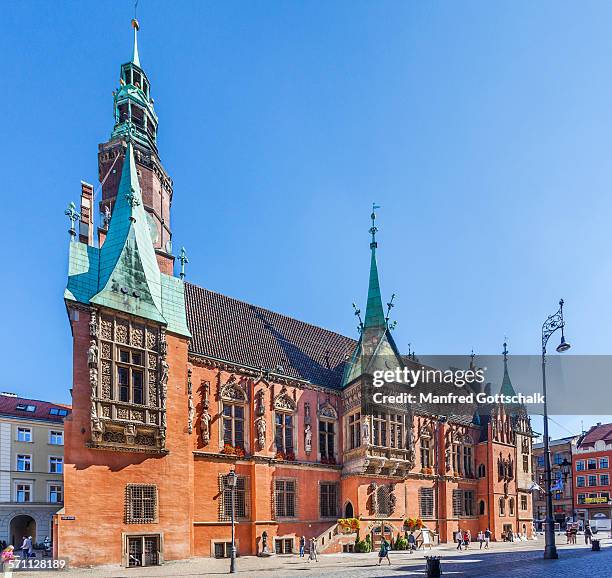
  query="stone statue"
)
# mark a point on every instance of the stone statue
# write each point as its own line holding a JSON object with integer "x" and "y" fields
{"x": 392, "y": 498}
{"x": 264, "y": 542}
{"x": 93, "y": 325}
{"x": 365, "y": 429}
{"x": 106, "y": 217}
{"x": 306, "y": 412}
{"x": 205, "y": 424}
{"x": 261, "y": 432}
{"x": 94, "y": 413}
{"x": 97, "y": 429}
{"x": 163, "y": 342}
{"x": 93, "y": 381}
{"x": 308, "y": 438}
{"x": 163, "y": 380}
{"x": 92, "y": 354}
{"x": 191, "y": 412}
{"x": 259, "y": 405}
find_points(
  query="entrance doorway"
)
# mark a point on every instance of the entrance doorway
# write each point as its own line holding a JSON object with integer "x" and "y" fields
{"x": 348, "y": 510}
{"x": 379, "y": 532}
{"x": 22, "y": 526}
{"x": 143, "y": 550}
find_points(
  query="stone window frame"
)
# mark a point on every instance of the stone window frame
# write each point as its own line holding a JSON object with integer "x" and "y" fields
{"x": 460, "y": 503}
{"x": 234, "y": 394}
{"x": 327, "y": 415}
{"x": 283, "y": 406}
{"x": 511, "y": 507}
{"x": 426, "y": 435}
{"x": 130, "y": 517}
{"x": 275, "y": 491}
{"x": 116, "y": 320}
{"x": 353, "y": 430}
{"x": 502, "y": 506}
{"x": 524, "y": 502}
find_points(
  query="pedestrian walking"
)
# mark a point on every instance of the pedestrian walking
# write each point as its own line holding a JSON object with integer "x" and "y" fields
{"x": 30, "y": 547}
{"x": 313, "y": 555}
{"x": 487, "y": 538}
{"x": 466, "y": 539}
{"x": 480, "y": 538}
{"x": 24, "y": 548}
{"x": 411, "y": 542}
{"x": 459, "y": 538}
{"x": 302, "y": 546}
{"x": 588, "y": 535}
{"x": 384, "y": 552}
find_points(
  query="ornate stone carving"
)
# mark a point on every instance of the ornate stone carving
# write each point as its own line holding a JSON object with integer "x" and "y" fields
{"x": 121, "y": 331}
{"x": 93, "y": 325}
{"x": 260, "y": 427}
{"x": 97, "y": 429}
{"x": 190, "y": 407}
{"x": 205, "y": 418}
{"x": 306, "y": 413}
{"x": 373, "y": 498}
{"x": 130, "y": 433}
{"x": 151, "y": 339}
{"x": 163, "y": 381}
{"x": 308, "y": 439}
{"x": 137, "y": 338}
{"x": 392, "y": 498}
{"x": 328, "y": 410}
{"x": 283, "y": 402}
{"x": 106, "y": 329}
{"x": 260, "y": 410}
{"x": 163, "y": 342}
{"x": 232, "y": 391}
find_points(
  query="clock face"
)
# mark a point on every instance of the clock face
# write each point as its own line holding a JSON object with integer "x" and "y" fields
{"x": 153, "y": 228}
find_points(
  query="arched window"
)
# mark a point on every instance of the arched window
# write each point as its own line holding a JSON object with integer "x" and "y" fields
{"x": 233, "y": 410}
{"x": 481, "y": 508}
{"x": 327, "y": 433}
{"x": 502, "y": 507}
{"x": 481, "y": 471}
{"x": 511, "y": 506}
{"x": 348, "y": 510}
{"x": 284, "y": 425}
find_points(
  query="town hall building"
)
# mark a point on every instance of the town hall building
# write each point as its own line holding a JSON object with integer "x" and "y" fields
{"x": 174, "y": 386}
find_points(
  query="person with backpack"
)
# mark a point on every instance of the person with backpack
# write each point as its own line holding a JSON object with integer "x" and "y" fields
{"x": 384, "y": 552}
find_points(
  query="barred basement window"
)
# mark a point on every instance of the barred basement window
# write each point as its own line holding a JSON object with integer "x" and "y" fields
{"x": 140, "y": 503}
{"x": 241, "y": 497}
{"x": 457, "y": 502}
{"x": 284, "y": 498}
{"x": 328, "y": 500}
{"x": 426, "y": 502}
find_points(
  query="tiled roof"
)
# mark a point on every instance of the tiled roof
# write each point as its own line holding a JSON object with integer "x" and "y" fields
{"x": 596, "y": 433}
{"x": 9, "y": 403}
{"x": 240, "y": 333}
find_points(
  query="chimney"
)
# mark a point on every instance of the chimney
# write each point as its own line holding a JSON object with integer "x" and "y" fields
{"x": 86, "y": 223}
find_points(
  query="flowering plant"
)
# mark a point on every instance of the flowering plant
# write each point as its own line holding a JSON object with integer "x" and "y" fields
{"x": 231, "y": 450}
{"x": 288, "y": 456}
{"x": 351, "y": 524}
{"x": 331, "y": 460}
{"x": 414, "y": 523}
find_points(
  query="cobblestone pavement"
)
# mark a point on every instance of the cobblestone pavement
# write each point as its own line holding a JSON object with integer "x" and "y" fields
{"x": 523, "y": 560}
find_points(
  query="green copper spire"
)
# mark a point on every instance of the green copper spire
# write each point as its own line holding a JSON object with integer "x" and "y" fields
{"x": 506, "y": 387}
{"x": 135, "y": 58}
{"x": 376, "y": 348}
{"x": 374, "y": 316}
{"x": 129, "y": 276}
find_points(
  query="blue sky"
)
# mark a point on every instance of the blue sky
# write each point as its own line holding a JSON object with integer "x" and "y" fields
{"x": 483, "y": 129}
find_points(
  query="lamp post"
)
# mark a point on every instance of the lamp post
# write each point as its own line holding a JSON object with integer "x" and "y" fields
{"x": 231, "y": 482}
{"x": 552, "y": 324}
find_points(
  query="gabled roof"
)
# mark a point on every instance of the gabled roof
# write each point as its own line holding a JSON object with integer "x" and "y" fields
{"x": 237, "y": 332}
{"x": 9, "y": 405}
{"x": 599, "y": 432}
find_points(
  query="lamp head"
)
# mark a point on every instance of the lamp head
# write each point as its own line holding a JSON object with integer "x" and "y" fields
{"x": 563, "y": 346}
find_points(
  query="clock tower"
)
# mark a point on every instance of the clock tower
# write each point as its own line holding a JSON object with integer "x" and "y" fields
{"x": 135, "y": 118}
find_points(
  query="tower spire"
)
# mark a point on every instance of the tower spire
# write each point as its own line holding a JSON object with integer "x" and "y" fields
{"x": 136, "y": 27}
{"x": 375, "y": 315}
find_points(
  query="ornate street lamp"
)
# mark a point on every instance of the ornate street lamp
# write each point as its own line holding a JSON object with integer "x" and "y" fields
{"x": 552, "y": 324}
{"x": 231, "y": 482}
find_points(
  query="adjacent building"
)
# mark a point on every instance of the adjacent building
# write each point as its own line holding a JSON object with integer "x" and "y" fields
{"x": 31, "y": 467}
{"x": 562, "y": 452}
{"x": 592, "y": 474}
{"x": 175, "y": 386}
